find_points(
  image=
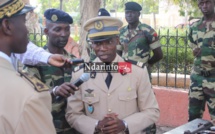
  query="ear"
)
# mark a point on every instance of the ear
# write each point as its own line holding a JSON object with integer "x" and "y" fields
{"x": 139, "y": 13}
{"x": 7, "y": 27}
{"x": 46, "y": 31}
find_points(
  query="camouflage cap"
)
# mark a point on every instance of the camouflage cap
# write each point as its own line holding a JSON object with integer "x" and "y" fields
{"x": 11, "y": 8}
{"x": 102, "y": 27}
{"x": 132, "y": 6}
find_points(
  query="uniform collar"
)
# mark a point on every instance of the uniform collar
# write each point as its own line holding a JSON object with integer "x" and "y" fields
{"x": 5, "y": 56}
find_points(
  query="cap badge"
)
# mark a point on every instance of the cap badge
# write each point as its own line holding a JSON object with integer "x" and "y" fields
{"x": 98, "y": 25}
{"x": 54, "y": 18}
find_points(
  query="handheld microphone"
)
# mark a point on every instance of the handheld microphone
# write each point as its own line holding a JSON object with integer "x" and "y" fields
{"x": 77, "y": 61}
{"x": 84, "y": 77}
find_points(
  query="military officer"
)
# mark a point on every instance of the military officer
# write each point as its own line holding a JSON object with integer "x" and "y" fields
{"x": 111, "y": 102}
{"x": 101, "y": 12}
{"x": 202, "y": 41}
{"x": 25, "y": 101}
{"x": 57, "y": 78}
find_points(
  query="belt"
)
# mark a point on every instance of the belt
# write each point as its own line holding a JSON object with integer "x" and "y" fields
{"x": 204, "y": 72}
{"x": 138, "y": 63}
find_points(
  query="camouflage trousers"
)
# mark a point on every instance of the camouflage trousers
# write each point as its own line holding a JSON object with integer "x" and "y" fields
{"x": 202, "y": 91}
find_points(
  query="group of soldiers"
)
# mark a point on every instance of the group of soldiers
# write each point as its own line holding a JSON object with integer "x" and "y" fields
{"x": 124, "y": 104}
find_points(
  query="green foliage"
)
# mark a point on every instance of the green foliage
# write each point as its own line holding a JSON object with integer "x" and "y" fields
{"x": 76, "y": 37}
{"x": 149, "y": 6}
{"x": 189, "y": 6}
{"x": 38, "y": 39}
{"x": 177, "y": 55}
{"x": 68, "y": 6}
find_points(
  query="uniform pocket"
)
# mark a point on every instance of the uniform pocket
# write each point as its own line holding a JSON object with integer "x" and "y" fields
{"x": 91, "y": 100}
{"x": 128, "y": 103}
{"x": 127, "y": 96}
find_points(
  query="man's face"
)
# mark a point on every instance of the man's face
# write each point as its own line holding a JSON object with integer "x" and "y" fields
{"x": 19, "y": 36}
{"x": 106, "y": 50}
{"x": 132, "y": 16}
{"x": 58, "y": 34}
{"x": 206, "y": 6}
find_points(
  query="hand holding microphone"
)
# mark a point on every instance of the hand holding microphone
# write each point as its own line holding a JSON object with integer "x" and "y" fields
{"x": 66, "y": 89}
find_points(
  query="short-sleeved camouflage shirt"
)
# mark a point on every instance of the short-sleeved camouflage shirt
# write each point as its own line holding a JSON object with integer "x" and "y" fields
{"x": 202, "y": 35}
{"x": 55, "y": 76}
{"x": 136, "y": 44}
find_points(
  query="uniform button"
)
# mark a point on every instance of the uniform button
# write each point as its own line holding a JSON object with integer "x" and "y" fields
{"x": 108, "y": 94}
{"x": 109, "y": 110}
{"x": 128, "y": 98}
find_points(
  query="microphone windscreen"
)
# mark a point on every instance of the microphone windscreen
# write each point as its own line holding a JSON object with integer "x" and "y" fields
{"x": 85, "y": 77}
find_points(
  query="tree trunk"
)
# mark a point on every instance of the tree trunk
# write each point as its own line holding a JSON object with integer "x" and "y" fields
{"x": 88, "y": 9}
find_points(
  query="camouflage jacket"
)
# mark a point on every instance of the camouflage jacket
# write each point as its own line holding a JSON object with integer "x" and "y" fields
{"x": 136, "y": 44}
{"x": 202, "y": 36}
{"x": 55, "y": 76}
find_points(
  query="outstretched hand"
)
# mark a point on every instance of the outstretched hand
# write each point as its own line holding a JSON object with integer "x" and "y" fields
{"x": 59, "y": 60}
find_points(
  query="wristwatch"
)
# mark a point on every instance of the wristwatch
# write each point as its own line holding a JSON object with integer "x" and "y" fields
{"x": 54, "y": 90}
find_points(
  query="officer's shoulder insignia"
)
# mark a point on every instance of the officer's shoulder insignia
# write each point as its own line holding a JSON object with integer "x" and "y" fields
{"x": 54, "y": 18}
{"x": 93, "y": 75}
{"x": 98, "y": 25}
{"x": 38, "y": 85}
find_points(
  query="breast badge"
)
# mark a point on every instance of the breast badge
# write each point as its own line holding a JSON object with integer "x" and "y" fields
{"x": 89, "y": 93}
{"x": 90, "y": 108}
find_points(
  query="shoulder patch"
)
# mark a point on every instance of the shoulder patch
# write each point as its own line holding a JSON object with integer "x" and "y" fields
{"x": 38, "y": 85}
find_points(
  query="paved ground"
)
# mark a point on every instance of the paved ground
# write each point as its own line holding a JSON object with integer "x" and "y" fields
{"x": 163, "y": 129}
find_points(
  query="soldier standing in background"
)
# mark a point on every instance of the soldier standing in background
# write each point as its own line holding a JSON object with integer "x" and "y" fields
{"x": 25, "y": 102}
{"x": 202, "y": 39}
{"x": 57, "y": 78}
{"x": 137, "y": 40}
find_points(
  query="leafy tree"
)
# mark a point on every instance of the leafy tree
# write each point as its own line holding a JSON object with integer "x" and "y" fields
{"x": 68, "y": 6}
{"x": 187, "y": 7}
{"x": 149, "y": 6}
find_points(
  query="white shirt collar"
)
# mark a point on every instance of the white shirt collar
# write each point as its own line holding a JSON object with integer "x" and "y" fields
{"x": 5, "y": 56}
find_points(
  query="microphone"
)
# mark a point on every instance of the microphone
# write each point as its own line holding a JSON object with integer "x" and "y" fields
{"x": 77, "y": 61}
{"x": 84, "y": 77}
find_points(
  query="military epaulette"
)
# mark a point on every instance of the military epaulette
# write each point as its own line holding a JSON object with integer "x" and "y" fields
{"x": 38, "y": 85}
{"x": 78, "y": 68}
{"x": 137, "y": 63}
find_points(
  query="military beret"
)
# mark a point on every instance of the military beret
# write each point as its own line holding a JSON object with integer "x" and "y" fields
{"x": 56, "y": 16}
{"x": 133, "y": 6}
{"x": 102, "y": 27}
{"x": 103, "y": 12}
{"x": 11, "y": 8}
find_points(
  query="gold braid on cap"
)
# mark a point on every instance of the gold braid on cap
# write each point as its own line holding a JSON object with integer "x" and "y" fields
{"x": 11, "y": 8}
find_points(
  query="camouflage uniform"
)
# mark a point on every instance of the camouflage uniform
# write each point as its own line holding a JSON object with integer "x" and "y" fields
{"x": 54, "y": 76}
{"x": 136, "y": 45}
{"x": 202, "y": 87}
